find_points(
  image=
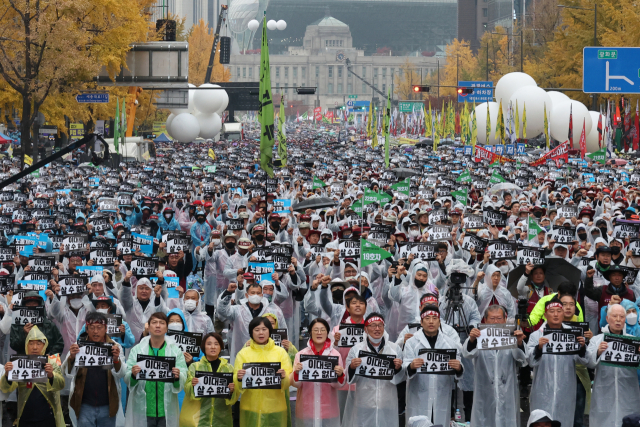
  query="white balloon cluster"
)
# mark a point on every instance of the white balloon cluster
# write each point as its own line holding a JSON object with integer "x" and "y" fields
{"x": 271, "y": 25}
{"x": 521, "y": 90}
{"x": 202, "y": 117}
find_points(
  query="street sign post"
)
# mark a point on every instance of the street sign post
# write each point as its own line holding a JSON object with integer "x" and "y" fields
{"x": 482, "y": 91}
{"x": 92, "y": 98}
{"x": 353, "y": 97}
{"x": 611, "y": 69}
{"x": 349, "y": 103}
{"x": 410, "y": 106}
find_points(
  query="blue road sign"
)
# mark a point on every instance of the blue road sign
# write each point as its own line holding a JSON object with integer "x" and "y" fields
{"x": 611, "y": 70}
{"x": 349, "y": 103}
{"x": 482, "y": 91}
{"x": 92, "y": 98}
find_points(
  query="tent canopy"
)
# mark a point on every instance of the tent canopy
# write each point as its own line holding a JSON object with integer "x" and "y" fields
{"x": 162, "y": 138}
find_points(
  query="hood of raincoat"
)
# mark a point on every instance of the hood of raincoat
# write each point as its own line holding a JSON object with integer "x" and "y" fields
{"x": 540, "y": 415}
{"x": 273, "y": 316}
{"x": 181, "y": 314}
{"x": 501, "y": 294}
{"x": 199, "y": 308}
{"x": 631, "y": 329}
{"x": 35, "y": 334}
{"x": 419, "y": 421}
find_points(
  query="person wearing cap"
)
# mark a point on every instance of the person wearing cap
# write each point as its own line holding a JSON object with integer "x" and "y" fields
{"x": 612, "y": 293}
{"x": 554, "y": 379}
{"x": 154, "y": 403}
{"x": 540, "y": 418}
{"x": 258, "y": 235}
{"x": 38, "y": 402}
{"x": 496, "y": 400}
{"x": 533, "y": 286}
{"x": 428, "y": 394}
{"x": 200, "y": 235}
{"x": 95, "y": 394}
{"x": 412, "y": 328}
{"x": 239, "y": 261}
{"x": 168, "y": 222}
{"x": 215, "y": 258}
{"x": 107, "y": 305}
{"x": 139, "y": 304}
{"x": 616, "y": 393}
{"x": 374, "y": 402}
{"x": 48, "y": 328}
{"x": 240, "y": 314}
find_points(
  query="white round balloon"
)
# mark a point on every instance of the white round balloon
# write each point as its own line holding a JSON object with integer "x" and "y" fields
{"x": 481, "y": 122}
{"x": 592, "y": 135}
{"x": 253, "y": 24}
{"x": 185, "y": 127}
{"x": 208, "y": 101}
{"x": 508, "y": 84}
{"x": 556, "y": 98}
{"x": 224, "y": 96}
{"x": 281, "y": 25}
{"x": 560, "y": 121}
{"x": 210, "y": 125}
{"x": 534, "y": 99}
{"x": 168, "y": 123}
{"x": 191, "y": 108}
{"x": 272, "y": 25}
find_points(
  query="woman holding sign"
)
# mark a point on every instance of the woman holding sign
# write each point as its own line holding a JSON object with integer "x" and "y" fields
{"x": 262, "y": 376}
{"x": 317, "y": 399}
{"x": 203, "y": 405}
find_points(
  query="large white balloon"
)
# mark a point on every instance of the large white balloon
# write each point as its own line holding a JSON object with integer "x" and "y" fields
{"x": 168, "y": 123}
{"x": 556, "y": 98}
{"x": 208, "y": 101}
{"x": 185, "y": 127}
{"x": 560, "y": 121}
{"x": 508, "y": 84}
{"x": 481, "y": 122}
{"x": 272, "y": 25}
{"x": 281, "y": 25}
{"x": 592, "y": 135}
{"x": 210, "y": 125}
{"x": 224, "y": 96}
{"x": 253, "y": 24}
{"x": 534, "y": 99}
{"x": 191, "y": 108}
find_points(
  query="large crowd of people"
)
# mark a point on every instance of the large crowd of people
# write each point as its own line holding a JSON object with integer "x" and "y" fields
{"x": 194, "y": 290}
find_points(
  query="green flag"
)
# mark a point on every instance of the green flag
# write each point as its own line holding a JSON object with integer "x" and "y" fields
{"x": 461, "y": 196}
{"x": 282, "y": 137}
{"x": 495, "y": 164}
{"x": 599, "y": 156}
{"x": 533, "y": 229}
{"x": 370, "y": 253}
{"x": 318, "y": 183}
{"x": 385, "y": 129}
{"x": 496, "y": 178}
{"x": 123, "y": 122}
{"x": 402, "y": 186}
{"x": 265, "y": 111}
{"x": 464, "y": 177}
{"x": 116, "y": 126}
{"x": 374, "y": 130}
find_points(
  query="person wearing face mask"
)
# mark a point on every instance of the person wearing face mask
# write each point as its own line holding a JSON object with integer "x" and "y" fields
{"x": 617, "y": 257}
{"x": 200, "y": 235}
{"x": 258, "y": 236}
{"x": 215, "y": 257}
{"x": 190, "y": 304}
{"x": 168, "y": 222}
{"x": 243, "y": 312}
{"x": 602, "y": 226}
{"x": 177, "y": 323}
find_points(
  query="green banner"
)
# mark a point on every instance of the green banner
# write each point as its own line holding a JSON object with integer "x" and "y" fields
{"x": 402, "y": 186}
{"x": 318, "y": 183}
{"x": 599, "y": 156}
{"x": 533, "y": 229}
{"x": 461, "y": 196}
{"x": 370, "y": 253}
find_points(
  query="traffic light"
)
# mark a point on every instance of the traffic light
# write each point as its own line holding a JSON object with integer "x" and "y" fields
{"x": 306, "y": 90}
{"x": 465, "y": 90}
{"x": 419, "y": 88}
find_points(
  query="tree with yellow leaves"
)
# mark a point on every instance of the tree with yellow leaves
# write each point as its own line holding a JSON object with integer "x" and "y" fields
{"x": 405, "y": 79}
{"x": 200, "y": 39}
{"x": 51, "y": 47}
{"x": 461, "y": 64}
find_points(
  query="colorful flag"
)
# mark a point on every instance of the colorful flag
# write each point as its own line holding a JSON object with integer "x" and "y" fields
{"x": 583, "y": 141}
{"x": 211, "y": 154}
{"x": 496, "y": 178}
{"x": 116, "y": 126}
{"x": 265, "y": 111}
{"x": 374, "y": 130}
{"x": 282, "y": 136}
{"x": 533, "y": 229}
{"x": 370, "y": 253}
{"x": 547, "y": 137}
{"x": 464, "y": 176}
{"x": 385, "y": 129}
{"x": 517, "y": 122}
{"x": 428, "y": 124}
{"x": 636, "y": 135}
{"x": 461, "y": 196}
{"x": 500, "y": 125}
{"x": 474, "y": 132}
{"x": 488, "y": 125}
{"x": 599, "y": 156}
{"x": 524, "y": 120}
{"x": 402, "y": 186}
{"x": 570, "y": 135}
{"x": 318, "y": 183}
{"x": 370, "y": 120}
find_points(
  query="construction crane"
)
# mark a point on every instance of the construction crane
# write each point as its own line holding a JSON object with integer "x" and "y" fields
{"x": 348, "y": 62}
{"x": 221, "y": 18}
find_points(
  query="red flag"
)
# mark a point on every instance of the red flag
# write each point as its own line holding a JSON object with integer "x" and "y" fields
{"x": 570, "y": 137}
{"x": 599, "y": 128}
{"x": 636, "y": 136}
{"x": 617, "y": 119}
{"x": 457, "y": 122}
{"x": 583, "y": 142}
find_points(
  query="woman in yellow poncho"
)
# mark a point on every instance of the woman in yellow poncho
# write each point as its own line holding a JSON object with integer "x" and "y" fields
{"x": 207, "y": 411}
{"x": 263, "y": 407}
{"x": 30, "y": 410}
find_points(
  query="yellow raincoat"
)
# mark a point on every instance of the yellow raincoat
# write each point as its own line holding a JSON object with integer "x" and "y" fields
{"x": 50, "y": 389}
{"x": 292, "y": 348}
{"x": 206, "y": 411}
{"x": 264, "y": 408}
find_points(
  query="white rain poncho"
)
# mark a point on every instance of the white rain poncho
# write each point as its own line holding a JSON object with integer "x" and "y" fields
{"x": 373, "y": 403}
{"x": 496, "y": 398}
{"x": 554, "y": 381}
{"x": 615, "y": 391}
{"x": 214, "y": 280}
{"x": 197, "y": 320}
{"x": 486, "y": 293}
{"x": 134, "y": 314}
{"x": 429, "y": 394}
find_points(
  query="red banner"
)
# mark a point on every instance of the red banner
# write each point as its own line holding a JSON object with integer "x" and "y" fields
{"x": 484, "y": 154}
{"x": 560, "y": 152}
{"x": 583, "y": 142}
{"x": 317, "y": 114}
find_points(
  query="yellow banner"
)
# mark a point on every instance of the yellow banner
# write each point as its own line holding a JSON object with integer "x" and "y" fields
{"x": 403, "y": 141}
{"x": 28, "y": 160}
{"x": 212, "y": 154}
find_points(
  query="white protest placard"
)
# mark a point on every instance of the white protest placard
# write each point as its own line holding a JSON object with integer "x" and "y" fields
{"x": 439, "y": 232}
{"x": 562, "y": 341}
{"x": 263, "y": 375}
{"x": 497, "y": 218}
{"x": 318, "y": 369}
{"x": 41, "y": 264}
{"x": 213, "y": 384}
{"x": 350, "y": 334}
{"x": 624, "y": 230}
{"x": 72, "y": 286}
{"x": 28, "y": 368}
{"x": 144, "y": 266}
{"x": 189, "y": 342}
{"x": 424, "y": 251}
{"x": 502, "y": 250}
{"x": 349, "y": 248}
{"x": 531, "y": 255}
{"x": 155, "y": 368}
{"x": 496, "y": 336}
{"x": 376, "y": 366}
{"x": 566, "y": 211}
{"x": 621, "y": 352}
{"x": 94, "y": 354}
{"x": 474, "y": 242}
{"x": 24, "y": 315}
{"x": 436, "y": 361}
{"x": 564, "y": 234}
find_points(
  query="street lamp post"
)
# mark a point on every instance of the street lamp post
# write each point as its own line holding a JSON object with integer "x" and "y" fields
{"x": 521, "y": 50}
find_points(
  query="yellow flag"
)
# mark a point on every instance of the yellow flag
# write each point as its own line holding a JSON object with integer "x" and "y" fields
{"x": 546, "y": 127}
{"x": 488, "y": 125}
{"x": 212, "y": 154}
{"x": 517, "y": 122}
{"x": 374, "y": 129}
{"x": 369, "y": 119}
{"x": 427, "y": 122}
{"x": 500, "y": 125}
{"x": 524, "y": 120}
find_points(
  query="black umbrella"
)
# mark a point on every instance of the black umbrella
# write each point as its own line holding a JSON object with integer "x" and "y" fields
{"x": 314, "y": 203}
{"x": 557, "y": 270}
{"x": 404, "y": 172}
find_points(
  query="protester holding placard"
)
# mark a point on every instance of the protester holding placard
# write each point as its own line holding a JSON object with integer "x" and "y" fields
{"x": 38, "y": 403}
{"x": 374, "y": 402}
{"x": 139, "y": 307}
{"x": 215, "y": 259}
{"x": 202, "y": 410}
{"x": 317, "y": 402}
{"x": 414, "y": 327}
{"x": 615, "y": 388}
{"x": 616, "y": 287}
{"x": 263, "y": 407}
{"x": 19, "y": 333}
{"x": 429, "y": 394}
{"x": 554, "y": 380}
{"x": 155, "y": 403}
{"x": 95, "y": 394}
{"x": 496, "y": 398}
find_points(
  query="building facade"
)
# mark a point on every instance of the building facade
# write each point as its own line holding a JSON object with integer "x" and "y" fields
{"x": 321, "y": 61}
